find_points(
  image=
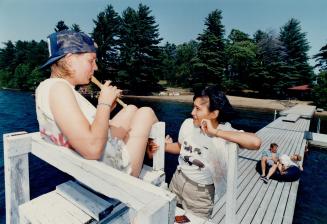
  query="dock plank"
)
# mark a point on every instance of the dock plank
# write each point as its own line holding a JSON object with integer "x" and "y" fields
{"x": 300, "y": 109}
{"x": 258, "y": 211}
{"x": 253, "y": 177}
{"x": 291, "y": 117}
{"x": 274, "y": 202}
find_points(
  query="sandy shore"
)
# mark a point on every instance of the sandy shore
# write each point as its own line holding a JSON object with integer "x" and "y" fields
{"x": 239, "y": 102}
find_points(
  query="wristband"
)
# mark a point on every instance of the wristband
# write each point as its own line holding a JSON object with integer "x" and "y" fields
{"x": 105, "y": 104}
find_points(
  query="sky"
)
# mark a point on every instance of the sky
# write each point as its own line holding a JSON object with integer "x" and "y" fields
{"x": 179, "y": 20}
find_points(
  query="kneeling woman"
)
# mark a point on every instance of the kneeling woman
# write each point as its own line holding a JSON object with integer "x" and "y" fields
{"x": 202, "y": 145}
{"x": 67, "y": 119}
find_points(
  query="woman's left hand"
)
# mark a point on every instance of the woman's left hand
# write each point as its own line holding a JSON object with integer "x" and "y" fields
{"x": 207, "y": 128}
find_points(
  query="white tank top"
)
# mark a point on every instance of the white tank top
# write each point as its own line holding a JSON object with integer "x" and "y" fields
{"x": 115, "y": 153}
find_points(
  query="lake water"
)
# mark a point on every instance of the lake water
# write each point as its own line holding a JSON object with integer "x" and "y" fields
{"x": 17, "y": 113}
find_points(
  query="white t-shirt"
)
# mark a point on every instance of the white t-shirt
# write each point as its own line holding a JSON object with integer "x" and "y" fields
{"x": 286, "y": 161}
{"x": 196, "y": 153}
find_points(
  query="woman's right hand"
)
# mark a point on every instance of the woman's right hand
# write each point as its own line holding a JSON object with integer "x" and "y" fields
{"x": 109, "y": 94}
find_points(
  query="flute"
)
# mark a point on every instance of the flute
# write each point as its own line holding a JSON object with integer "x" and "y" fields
{"x": 98, "y": 83}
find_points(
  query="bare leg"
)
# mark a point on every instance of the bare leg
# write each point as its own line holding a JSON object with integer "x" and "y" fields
{"x": 280, "y": 167}
{"x": 137, "y": 138}
{"x": 133, "y": 126}
{"x": 121, "y": 123}
{"x": 263, "y": 165}
{"x": 272, "y": 170}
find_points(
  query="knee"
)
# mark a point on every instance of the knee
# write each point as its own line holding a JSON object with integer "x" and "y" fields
{"x": 264, "y": 159}
{"x": 131, "y": 108}
{"x": 146, "y": 111}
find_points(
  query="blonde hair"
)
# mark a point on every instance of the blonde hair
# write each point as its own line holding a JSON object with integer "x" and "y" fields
{"x": 298, "y": 157}
{"x": 61, "y": 68}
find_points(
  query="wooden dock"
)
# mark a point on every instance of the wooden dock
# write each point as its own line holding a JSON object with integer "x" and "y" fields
{"x": 273, "y": 202}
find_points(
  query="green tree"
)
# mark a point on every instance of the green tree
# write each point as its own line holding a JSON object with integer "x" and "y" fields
{"x": 61, "y": 26}
{"x": 210, "y": 63}
{"x": 20, "y": 77}
{"x": 238, "y": 36}
{"x": 7, "y": 57}
{"x": 139, "y": 50}
{"x": 270, "y": 70}
{"x": 241, "y": 57}
{"x": 168, "y": 63}
{"x": 240, "y": 53}
{"x": 34, "y": 78}
{"x": 5, "y": 77}
{"x": 321, "y": 58}
{"x": 297, "y": 47}
{"x": 106, "y": 35}
{"x": 185, "y": 60}
{"x": 17, "y": 61}
{"x": 259, "y": 35}
{"x": 320, "y": 91}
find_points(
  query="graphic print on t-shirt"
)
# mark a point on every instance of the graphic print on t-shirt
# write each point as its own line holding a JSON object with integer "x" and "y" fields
{"x": 193, "y": 154}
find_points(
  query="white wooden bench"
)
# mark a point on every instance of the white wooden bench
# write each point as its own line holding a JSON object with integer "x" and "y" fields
{"x": 151, "y": 204}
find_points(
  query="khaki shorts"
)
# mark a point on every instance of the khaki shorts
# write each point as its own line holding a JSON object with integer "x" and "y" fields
{"x": 193, "y": 197}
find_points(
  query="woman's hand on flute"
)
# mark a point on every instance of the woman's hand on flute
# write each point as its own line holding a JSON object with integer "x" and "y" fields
{"x": 109, "y": 94}
{"x": 99, "y": 84}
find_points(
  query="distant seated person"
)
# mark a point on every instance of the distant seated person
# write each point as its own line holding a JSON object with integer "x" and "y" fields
{"x": 287, "y": 163}
{"x": 269, "y": 159}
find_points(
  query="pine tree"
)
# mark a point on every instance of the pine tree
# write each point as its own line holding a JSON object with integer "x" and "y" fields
{"x": 320, "y": 90}
{"x": 321, "y": 58}
{"x": 186, "y": 55}
{"x": 259, "y": 35}
{"x": 7, "y": 57}
{"x": 297, "y": 47}
{"x": 61, "y": 26}
{"x": 271, "y": 68}
{"x": 168, "y": 63}
{"x": 209, "y": 66}
{"x": 140, "y": 53}
{"x": 106, "y": 36}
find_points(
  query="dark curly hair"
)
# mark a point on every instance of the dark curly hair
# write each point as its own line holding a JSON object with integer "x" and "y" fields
{"x": 217, "y": 101}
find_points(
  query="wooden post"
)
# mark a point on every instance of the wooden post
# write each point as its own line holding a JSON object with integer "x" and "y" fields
{"x": 155, "y": 212}
{"x": 231, "y": 193}
{"x": 17, "y": 188}
{"x": 158, "y": 134}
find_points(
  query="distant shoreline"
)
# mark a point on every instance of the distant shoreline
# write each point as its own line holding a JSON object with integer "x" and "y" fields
{"x": 266, "y": 105}
{"x": 238, "y": 102}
